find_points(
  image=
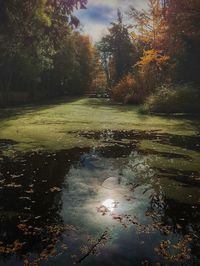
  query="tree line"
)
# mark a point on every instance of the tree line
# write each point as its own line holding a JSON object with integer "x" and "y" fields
{"x": 42, "y": 54}
{"x": 155, "y": 56}
{"x": 148, "y": 56}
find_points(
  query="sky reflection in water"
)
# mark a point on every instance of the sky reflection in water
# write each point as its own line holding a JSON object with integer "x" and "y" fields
{"x": 98, "y": 193}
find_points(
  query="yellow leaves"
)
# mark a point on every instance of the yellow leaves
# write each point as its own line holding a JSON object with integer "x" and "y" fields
{"x": 151, "y": 24}
{"x": 41, "y": 13}
{"x": 153, "y": 56}
{"x": 133, "y": 35}
{"x": 144, "y": 38}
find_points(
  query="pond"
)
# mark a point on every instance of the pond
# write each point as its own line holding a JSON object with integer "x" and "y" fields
{"x": 92, "y": 183}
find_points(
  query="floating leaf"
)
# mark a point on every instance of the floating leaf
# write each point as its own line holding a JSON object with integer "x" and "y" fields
{"x": 55, "y": 189}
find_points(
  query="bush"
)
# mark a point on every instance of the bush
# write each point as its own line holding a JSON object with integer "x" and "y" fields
{"x": 174, "y": 99}
{"x": 127, "y": 90}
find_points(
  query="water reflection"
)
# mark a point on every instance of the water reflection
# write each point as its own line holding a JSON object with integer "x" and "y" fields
{"x": 110, "y": 204}
{"x": 65, "y": 207}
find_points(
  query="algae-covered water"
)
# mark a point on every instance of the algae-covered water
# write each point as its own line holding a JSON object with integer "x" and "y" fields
{"x": 93, "y": 183}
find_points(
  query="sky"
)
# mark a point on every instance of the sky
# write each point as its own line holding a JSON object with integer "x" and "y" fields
{"x": 99, "y": 13}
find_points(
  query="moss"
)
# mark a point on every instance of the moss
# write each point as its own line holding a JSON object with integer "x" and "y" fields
{"x": 156, "y": 161}
{"x": 179, "y": 178}
{"x": 50, "y": 126}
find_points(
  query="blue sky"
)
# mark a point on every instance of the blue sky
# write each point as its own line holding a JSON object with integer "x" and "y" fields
{"x": 99, "y": 13}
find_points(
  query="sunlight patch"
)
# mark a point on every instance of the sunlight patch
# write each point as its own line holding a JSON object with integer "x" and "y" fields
{"x": 110, "y": 204}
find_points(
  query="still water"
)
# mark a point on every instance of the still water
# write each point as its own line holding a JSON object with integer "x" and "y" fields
{"x": 118, "y": 203}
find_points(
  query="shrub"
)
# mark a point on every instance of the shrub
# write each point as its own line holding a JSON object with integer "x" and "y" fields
{"x": 174, "y": 99}
{"x": 127, "y": 90}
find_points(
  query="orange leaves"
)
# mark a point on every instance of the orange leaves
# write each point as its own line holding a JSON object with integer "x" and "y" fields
{"x": 140, "y": 37}
{"x": 131, "y": 89}
{"x": 12, "y": 248}
{"x": 153, "y": 56}
{"x": 22, "y": 227}
{"x": 150, "y": 36}
{"x": 179, "y": 252}
{"x": 126, "y": 90}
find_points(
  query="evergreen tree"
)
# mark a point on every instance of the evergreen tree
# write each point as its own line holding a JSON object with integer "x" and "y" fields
{"x": 122, "y": 51}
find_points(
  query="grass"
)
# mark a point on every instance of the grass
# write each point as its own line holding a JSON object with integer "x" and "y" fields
{"x": 52, "y": 127}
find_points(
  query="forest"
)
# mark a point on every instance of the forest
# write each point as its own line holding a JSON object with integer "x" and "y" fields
{"x": 153, "y": 59}
{"x": 99, "y": 132}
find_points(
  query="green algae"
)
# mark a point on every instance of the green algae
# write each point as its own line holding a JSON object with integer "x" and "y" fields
{"x": 192, "y": 163}
{"x": 178, "y": 177}
{"x": 50, "y": 127}
{"x": 179, "y": 192}
{"x": 150, "y": 163}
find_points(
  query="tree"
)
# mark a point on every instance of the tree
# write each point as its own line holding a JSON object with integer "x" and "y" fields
{"x": 183, "y": 38}
{"x": 150, "y": 25}
{"x": 122, "y": 51}
{"x": 32, "y": 32}
{"x": 99, "y": 81}
{"x": 170, "y": 29}
{"x": 105, "y": 54}
{"x": 84, "y": 51}
{"x": 150, "y": 36}
{"x": 72, "y": 65}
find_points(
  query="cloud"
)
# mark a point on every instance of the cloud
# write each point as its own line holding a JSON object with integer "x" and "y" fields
{"x": 99, "y": 13}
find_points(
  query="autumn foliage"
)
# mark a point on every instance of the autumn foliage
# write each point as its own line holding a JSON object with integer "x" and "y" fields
{"x": 166, "y": 41}
{"x": 127, "y": 90}
{"x": 153, "y": 57}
